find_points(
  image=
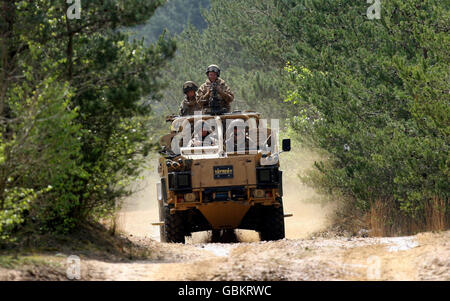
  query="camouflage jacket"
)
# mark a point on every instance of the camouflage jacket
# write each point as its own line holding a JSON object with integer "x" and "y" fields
{"x": 225, "y": 99}
{"x": 188, "y": 107}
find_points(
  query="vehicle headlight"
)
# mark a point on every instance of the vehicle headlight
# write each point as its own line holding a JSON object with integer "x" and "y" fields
{"x": 189, "y": 197}
{"x": 259, "y": 193}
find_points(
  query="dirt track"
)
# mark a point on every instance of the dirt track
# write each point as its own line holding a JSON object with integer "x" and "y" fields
{"x": 298, "y": 257}
{"x": 421, "y": 257}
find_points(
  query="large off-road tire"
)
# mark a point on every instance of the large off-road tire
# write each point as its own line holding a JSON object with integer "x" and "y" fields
{"x": 272, "y": 224}
{"x": 174, "y": 229}
{"x": 215, "y": 236}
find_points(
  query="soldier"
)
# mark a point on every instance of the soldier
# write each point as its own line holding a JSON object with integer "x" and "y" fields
{"x": 204, "y": 134}
{"x": 238, "y": 140}
{"x": 215, "y": 87}
{"x": 189, "y": 105}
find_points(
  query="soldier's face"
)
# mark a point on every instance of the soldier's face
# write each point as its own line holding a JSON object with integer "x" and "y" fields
{"x": 212, "y": 76}
{"x": 190, "y": 93}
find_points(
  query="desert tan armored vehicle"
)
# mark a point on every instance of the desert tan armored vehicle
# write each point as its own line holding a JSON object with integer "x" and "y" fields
{"x": 220, "y": 172}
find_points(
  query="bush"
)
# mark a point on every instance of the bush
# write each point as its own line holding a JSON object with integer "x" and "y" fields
{"x": 74, "y": 109}
{"x": 376, "y": 99}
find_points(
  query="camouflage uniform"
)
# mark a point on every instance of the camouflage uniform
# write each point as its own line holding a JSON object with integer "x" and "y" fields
{"x": 189, "y": 106}
{"x": 225, "y": 100}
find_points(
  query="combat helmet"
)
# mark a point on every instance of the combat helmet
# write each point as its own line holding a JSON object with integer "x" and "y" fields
{"x": 189, "y": 86}
{"x": 213, "y": 68}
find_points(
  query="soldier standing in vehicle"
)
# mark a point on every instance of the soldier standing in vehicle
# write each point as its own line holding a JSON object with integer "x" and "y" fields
{"x": 215, "y": 87}
{"x": 189, "y": 105}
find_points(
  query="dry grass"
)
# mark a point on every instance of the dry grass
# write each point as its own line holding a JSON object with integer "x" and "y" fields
{"x": 378, "y": 216}
{"x": 384, "y": 219}
{"x": 435, "y": 215}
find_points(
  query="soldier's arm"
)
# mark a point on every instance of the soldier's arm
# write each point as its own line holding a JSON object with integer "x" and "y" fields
{"x": 227, "y": 95}
{"x": 182, "y": 110}
{"x": 190, "y": 103}
{"x": 203, "y": 94}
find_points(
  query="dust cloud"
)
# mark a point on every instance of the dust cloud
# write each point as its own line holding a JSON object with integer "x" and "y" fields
{"x": 140, "y": 210}
{"x": 309, "y": 212}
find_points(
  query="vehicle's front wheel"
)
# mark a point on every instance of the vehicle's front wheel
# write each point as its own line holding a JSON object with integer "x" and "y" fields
{"x": 174, "y": 230}
{"x": 272, "y": 227}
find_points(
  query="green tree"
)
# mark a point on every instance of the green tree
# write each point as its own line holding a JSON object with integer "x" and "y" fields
{"x": 173, "y": 17}
{"x": 74, "y": 89}
{"x": 374, "y": 95}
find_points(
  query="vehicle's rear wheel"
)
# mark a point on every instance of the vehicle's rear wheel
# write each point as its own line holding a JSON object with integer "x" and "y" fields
{"x": 272, "y": 227}
{"x": 174, "y": 230}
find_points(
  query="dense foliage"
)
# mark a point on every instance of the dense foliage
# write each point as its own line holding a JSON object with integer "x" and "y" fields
{"x": 74, "y": 124}
{"x": 173, "y": 18}
{"x": 374, "y": 94}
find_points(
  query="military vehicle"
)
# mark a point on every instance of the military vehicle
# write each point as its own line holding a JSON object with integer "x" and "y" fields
{"x": 220, "y": 185}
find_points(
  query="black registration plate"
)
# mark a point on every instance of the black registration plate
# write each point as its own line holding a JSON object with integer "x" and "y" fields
{"x": 223, "y": 172}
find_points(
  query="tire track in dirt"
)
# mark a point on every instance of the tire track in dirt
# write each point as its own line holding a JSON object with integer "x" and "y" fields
{"x": 421, "y": 257}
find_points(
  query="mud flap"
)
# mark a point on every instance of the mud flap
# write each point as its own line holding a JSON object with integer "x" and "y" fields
{"x": 160, "y": 188}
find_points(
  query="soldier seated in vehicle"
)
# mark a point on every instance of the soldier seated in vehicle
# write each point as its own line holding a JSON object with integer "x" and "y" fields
{"x": 214, "y": 95}
{"x": 204, "y": 135}
{"x": 238, "y": 140}
{"x": 189, "y": 105}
